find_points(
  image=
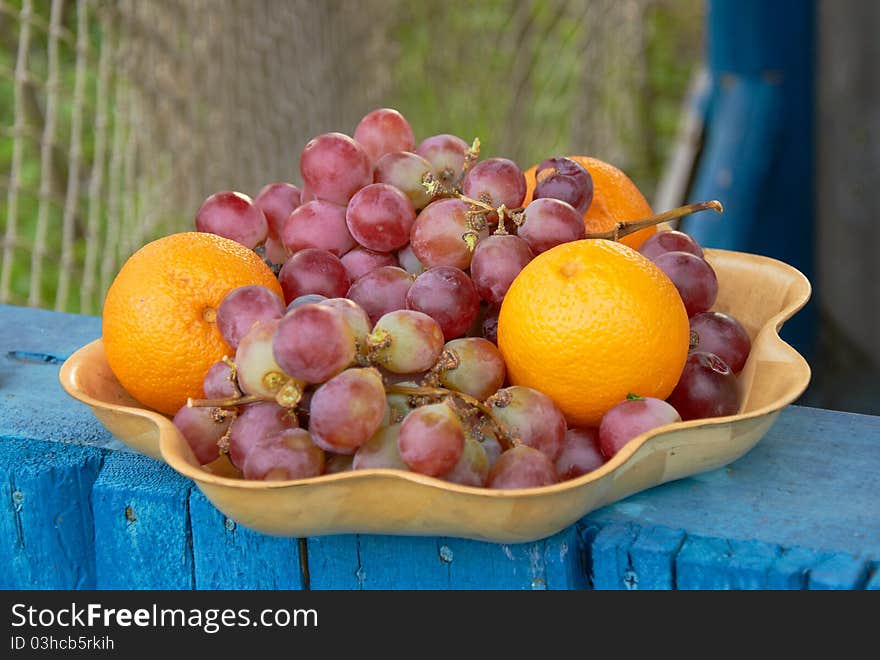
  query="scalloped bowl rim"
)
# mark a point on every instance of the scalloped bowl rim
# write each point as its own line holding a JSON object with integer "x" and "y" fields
{"x": 169, "y": 436}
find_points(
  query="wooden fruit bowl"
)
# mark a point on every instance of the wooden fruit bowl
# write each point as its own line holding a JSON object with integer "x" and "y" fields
{"x": 760, "y": 292}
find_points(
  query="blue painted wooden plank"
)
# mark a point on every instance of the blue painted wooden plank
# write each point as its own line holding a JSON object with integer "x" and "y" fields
{"x": 839, "y": 570}
{"x": 333, "y": 562}
{"x": 608, "y": 565}
{"x": 550, "y": 564}
{"x": 410, "y": 562}
{"x": 791, "y": 568}
{"x": 33, "y": 344}
{"x": 811, "y": 482}
{"x": 652, "y": 557}
{"x": 400, "y": 562}
{"x": 711, "y": 563}
{"x": 229, "y": 556}
{"x": 874, "y": 581}
{"x": 142, "y": 530}
{"x": 46, "y": 525}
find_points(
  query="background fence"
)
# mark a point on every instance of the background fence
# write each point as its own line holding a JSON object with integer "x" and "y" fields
{"x": 118, "y": 118}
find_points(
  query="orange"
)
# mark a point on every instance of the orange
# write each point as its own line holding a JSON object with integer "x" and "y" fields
{"x": 590, "y": 321}
{"x": 159, "y": 329}
{"x": 615, "y": 199}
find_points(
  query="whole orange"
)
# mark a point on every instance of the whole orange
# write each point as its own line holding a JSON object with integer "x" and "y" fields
{"x": 615, "y": 199}
{"x": 589, "y": 322}
{"x": 159, "y": 330}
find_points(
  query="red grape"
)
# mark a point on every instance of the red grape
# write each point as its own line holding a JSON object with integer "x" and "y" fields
{"x": 550, "y": 222}
{"x": 382, "y": 290}
{"x": 496, "y": 262}
{"x": 313, "y": 343}
{"x": 491, "y": 446}
{"x": 233, "y": 215}
{"x": 380, "y": 451}
{"x": 447, "y": 154}
{"x": 409, "y": 261}
{"x": 670, "y": 241}
{"x": 630, "y": 418}
{"x": 566, "y": 180}
{"x": 383, "y": 131}
{"x": 313, "y": 271}
{"x": 408, "y": 342}
{"x": 431, "y": 439}
{"x": 405, "y": 171}
{"x": 447, "y": 295}
{"x": 580, "y": 453}
{"x": 275, "y": 251}
{"x": 380, "y": 217}
{"x": 489, "y": 327}
{"x": 242, "y": 307}
{"x": 317, "y": 224}
{"x": 219, "y": 383}
{"x": 307, "y": 299}
{"x": 347, "y": 410}
{"x": 522, "y": 467}
{"x": 335, "y": 167}
{"x": 258, "y": 372}
{"x": 472, "y": 468}
{"x": 361, "y": 261}
{"x": 707, "y": 388}
{"x": 496, "y": 181}
{"x": 202, "y": 429}
{"x": 437, "y": 235}
{"x": 277, "y": 201}
{"x": 693, "y": 277}
{"x": 306, "y": 195}
{"x": 255, "y": 422}
{"x": 723, "y": 335}
{"x": 288, "y": 454}
{"x": 531, "y": 416}
{"x": 478, "y": 368}
{"x": 354, "y": 315}
{"x": 400, "y": 405}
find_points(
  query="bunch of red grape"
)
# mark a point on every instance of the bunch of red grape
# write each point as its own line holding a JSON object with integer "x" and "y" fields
{"x": 394, "y": 260}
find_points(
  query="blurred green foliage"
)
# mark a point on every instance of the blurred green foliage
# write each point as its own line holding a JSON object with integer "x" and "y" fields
{"x": 447, "y": 76}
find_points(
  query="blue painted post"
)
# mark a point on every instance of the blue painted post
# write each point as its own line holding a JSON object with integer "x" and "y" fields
{"x": 229, "y": 556}
{"x": 758, "y": 154}
{"x": 46, "y": 525}
{"x": 142, "y": 530}
{"x": 652, "y": 557}
{"x": 839, "y": 570}
{"x": 609, "y": 566}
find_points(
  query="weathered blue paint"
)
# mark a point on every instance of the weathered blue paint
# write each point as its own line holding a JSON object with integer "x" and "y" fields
{"x": 839, "y": 570}
{"x": 608, "y": 563}
{"x": 142, "y": 530}
{"x": 708, "y": 563}
{"x": 33, "y": 344}
{"x": 229, "y": 556}
{"x": 652, "y": 557}
{"x": 758, "y": 154}
{"x": 46, "y": 526}
{"x": 411, "y": 562}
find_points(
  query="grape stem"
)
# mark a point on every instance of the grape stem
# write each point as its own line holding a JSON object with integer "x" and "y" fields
{"x": 506, "y": 439}
{"x": 230, "y": 402}
{"x": 622, "y": 229}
